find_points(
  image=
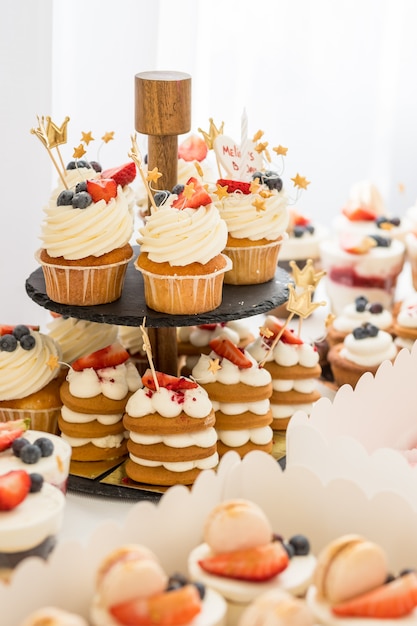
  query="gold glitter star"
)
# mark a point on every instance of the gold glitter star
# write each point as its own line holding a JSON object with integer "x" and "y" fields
{"x": 259, "y": 204}
{"x": 266, "y": 332}
{"x": 153, "y": 175}
{"x": 300, "y": 181}
{"x": 301, "y": 304}
{"x": 212, "y": 133}
{"x": 280, "y": 150}
{"x": 261, "y": 147}
{"x": 254, "y": 186}
{"x": 306, "y": 275}
{"x": 189, "y": 190}
{"x": 108, "y": 136}
{"x": 52, "y": 362}
{"x": 79, "y": 151}
{"x": 214, "y": 365}
{"x": 221, "y": 192}
{"x": 87, "y": 137}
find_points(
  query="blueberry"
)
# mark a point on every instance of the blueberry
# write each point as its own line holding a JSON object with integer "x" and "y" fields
{"x": 178, "y": 189}
{"x": 395, "y": 221}
{"x": 160, "y": 197}
{"x": 82, "y": 186}
{"x": 380, "y": 221}
{"x": 82, "y": 163}
{"x": 381, "y": 242}
{"x": 201, "y": 589}
{"x": 65, "y": 198}
{"x": 289, "y": 548}
{"x": 301, "y": 545}
{"x": 375, "y": 308}
{"x": 274, "y": 182}
{"x": 8, "y": 343}
{"x": 360, "y": 304}
{"x": 36, "y": 482}
{"x": 372, "y": 330}
{"x": 71, "y": 165}
{"x": 18, "y": 444}
{"x": 258, "y": 175}
{"x": 20, "y": 331}
{"x": 30, "y": 454}
{"x": 310, "y": 228}
{"x": 173, "y": 584}
{"x": 298, "y": 231}
{"x": 28, "y": 342}
{"x": 45, "y": 445}
{"x": 96, "y": 166}
{"x": 359, "y": 333}
{"x": 81, "y": 200}
{"x": 179, "y": 578}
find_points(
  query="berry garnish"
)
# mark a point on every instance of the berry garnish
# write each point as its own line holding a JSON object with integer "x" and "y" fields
{"x": 160, "y": 197}
{"x": 359, "y": 214}
{"x": 73, "y": 165}
{"x": 122, "y": 175}
{"x": 301, "y": 545}
{"x": 10, "y": 432}
{"x": 110, "y": 356}
{"x": 227, "y": 350}
{"x": 18, "y": 331}
{"x": 30, "y": 454}
{"x": 18, "y": 444}
{"x": 361, "y": 303}
{"x": 287, "y": 336}
{"x": 269, "y": 178}
{"x": 177, "y": 189}
{"x": 376, "y": 308}
{"x": 235, "y": 185}
{"x": 36, "y": 482}
{"x": 8, "y": 343}
{"x": 192, "y": 149}
{"x": 199, "y": 196}
{"x": 81, "y": 200}
{"x": 65, "y": 198}
{"x": 255, "y": 564}
{"x": 14, "y": 487}
{"x": 96, "y": 166}
{"x": 27, "y": 342}
{"x": 365, "y": 331}
{"x": 382, "y": 242}
{"x": 82, "y": 186}
{"x": 102, "y": 189}
{"x": 173, "y": 383}
{"x": 354, "y": 243}
{"x": 45, "y": 445}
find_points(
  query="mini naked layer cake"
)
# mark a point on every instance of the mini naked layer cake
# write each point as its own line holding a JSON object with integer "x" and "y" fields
{"x": 172, "y": 438}
{"x": 240, "y": 392}
{"x": 94, "y": 398}
{"x": 293, "y": 365}
{"x": 353, "y": 586}
{"x": 241, "y": 558}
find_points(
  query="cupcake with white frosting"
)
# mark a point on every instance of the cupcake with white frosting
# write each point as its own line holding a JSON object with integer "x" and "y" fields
{"x": 355, "y": 314}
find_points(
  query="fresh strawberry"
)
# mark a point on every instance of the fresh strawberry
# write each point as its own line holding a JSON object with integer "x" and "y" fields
{"x": 360, "y": 214}
{"x": 122, "y": 175}
{"x": 208, "y": 326}
{"x": 255, "y": 564}
{"x": 235, "y": 185}
{"x": 102, "y": 189}
{"x": 170, "y": 608}
{"x": 298, "y": 219}
{"x": 198, "y": 198}
{"x": 7, "y": 329}
{"x": 110, "y": 356}
{"x": 226, "y": 349}
{"x": 288, "y": 336}
{"x": 193, "y": 149}
{"x": 354, "y": 243}
{"x": 14, "y": 487}
{"x": 9, "y": 431}
{"x": 174, "y": 383}
{"x": 395, "y": 599}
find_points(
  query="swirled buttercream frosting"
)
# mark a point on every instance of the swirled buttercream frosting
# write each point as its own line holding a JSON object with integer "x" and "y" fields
{"x": 78, "y": 337}
{"x": 369, "y": 351}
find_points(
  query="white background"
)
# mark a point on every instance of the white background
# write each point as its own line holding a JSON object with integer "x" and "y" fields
{"x": 334, "y": 81}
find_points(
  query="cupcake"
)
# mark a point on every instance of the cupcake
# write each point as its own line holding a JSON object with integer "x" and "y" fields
{"x": 133, "y": 588}
{"x": 53, "y": 616}
{"x": 363, "y": 350}
{"x": 30, "y": 377}
{"x": 94, "y": 397}
{"x": 31, "y": 515}
{"x": 181, "y": 258}
{"x": 352, "y": 584}
{"x": 240, "y": 392}
{"x": 355, "y": 314}
{"x": 257, "y": 217}
{"x": 359, "y": 265}
{"x": 171, "y": 431}
{"x": 293, "y": 365}
{"x": 241, "y": 558}
{"x": 85, "y": 239}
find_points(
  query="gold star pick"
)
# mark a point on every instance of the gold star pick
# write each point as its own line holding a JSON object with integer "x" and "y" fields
{"x": 52, "y": 362}
{"x": 79, "y": 151}
{"x": 301, "y": 304}
{"x": 108, "y": 136}
{"x": 189, "y": 190}
{"x": 212, "y": 133}
{"x": 87, "y": 137}
{"x": 259, "y": 204}
{"x": 221, "y": 192}
{"x": 214, "y": 365}
{"x": 265, "y": 332}
{"x": 153, "y": 175}
{"x": 306, "y": 275}
{"x": 261, "y": 147}
{"x": 57, "y": 135}
{"x": 280, "y": 150}
{"x": 300, "y": 181}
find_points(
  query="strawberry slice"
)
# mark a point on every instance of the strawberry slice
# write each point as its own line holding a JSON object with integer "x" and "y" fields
{"x": 288, "y": 336}
{"x": 255, "y": 564}
{"x": 198, "y": 198}
{"x": 360, "y": 214}
{"x": 235, "y": 185}
{"x": 193, "y": 149}
{"x": 102, "y": 189}
{"x": 122, "y": 175}
{"x": 14, "y": 487}
{"x": 227, "y": 350}
{"x": 395, "y": 599}
{"x": 7, "y": 329}
{"x": 110, "y": 356}
{"x": 9, "y": 431}
{"x": 174, "y": 383}
{"x": 170, "y": 608}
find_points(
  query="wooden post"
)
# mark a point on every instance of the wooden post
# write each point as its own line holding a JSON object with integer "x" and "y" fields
{"x": 162, "y": 112}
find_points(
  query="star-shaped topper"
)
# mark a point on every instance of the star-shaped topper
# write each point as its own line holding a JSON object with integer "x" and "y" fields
{"x": 79, "y": 151}
{"x": 221, "y": 191}
{"x": 301, "y": 304}
{"x": 300, "y": 181}
{"x": 153, "y": 175}
{"x": 212, "y": 133}
{"x": 109, "y": 136}
{"x": 306, "y": 275}
{"x": 189, "y": 190}
{"x": 259, "y": 204}
{"x": 53, "y": 362}
{"x": 87, "y": 137}
{"x": 280, "y": 150}
{"x": 214, "y": 365}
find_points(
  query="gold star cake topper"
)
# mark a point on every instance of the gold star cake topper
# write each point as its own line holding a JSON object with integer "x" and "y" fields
{"x": 300, "y": 181}
{"x": 53, "y": 362}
